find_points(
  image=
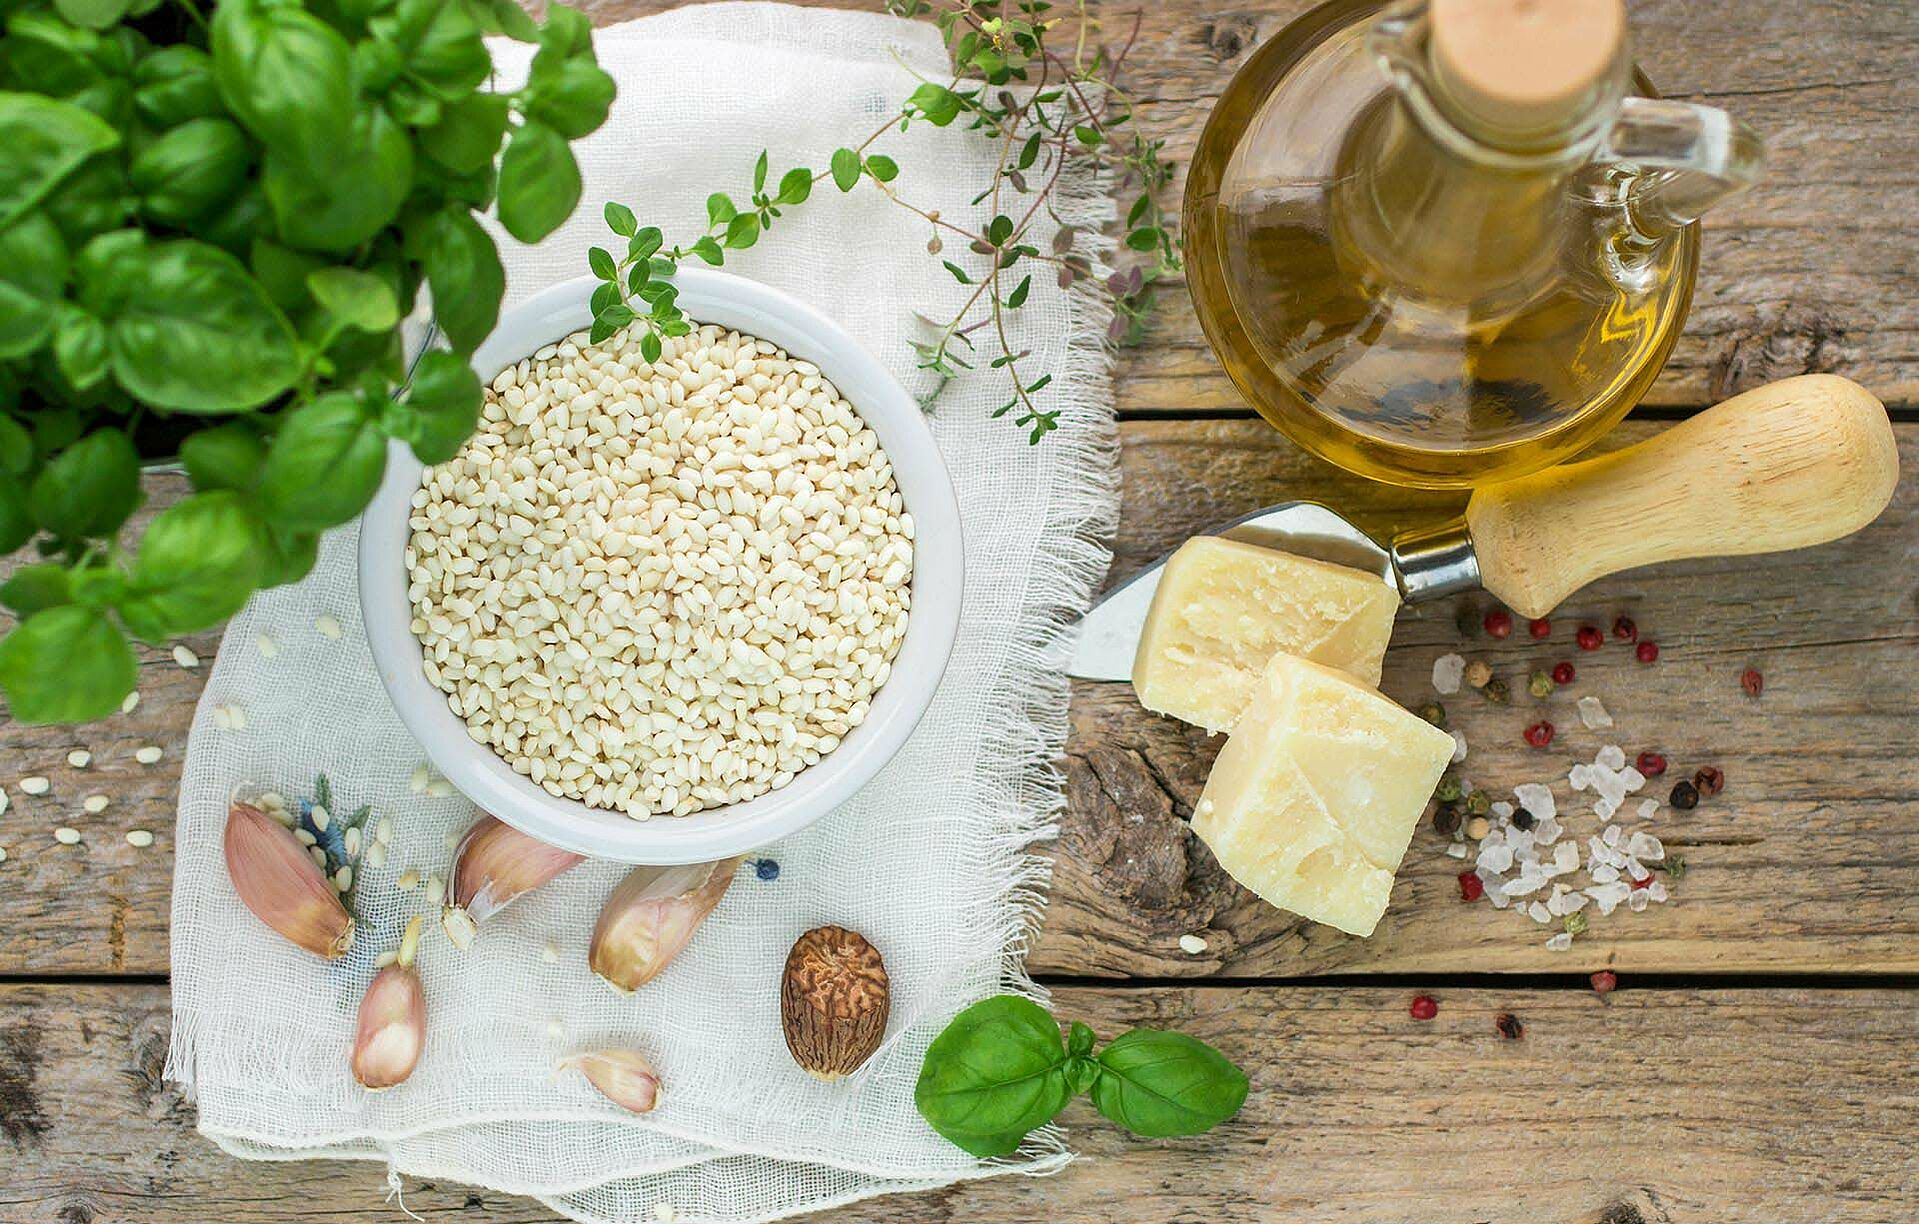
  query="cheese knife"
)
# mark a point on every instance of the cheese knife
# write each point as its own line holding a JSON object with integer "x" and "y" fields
{"x": 1793, "y": 463}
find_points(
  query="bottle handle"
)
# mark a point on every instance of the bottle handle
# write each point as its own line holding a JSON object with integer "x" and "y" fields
{"x": 1682, "y": 160}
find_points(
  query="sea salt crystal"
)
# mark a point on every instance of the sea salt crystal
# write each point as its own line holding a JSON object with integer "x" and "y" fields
{"x": 1637, "y": 901}
{"x": 1457, "y": 850}
{"x": 1608, "y": 896}
{"x": 1646, "y": 846}
{"x": 1605, "y": 873}
{"x": 1556, "y": 904}
{"x": 1537, "y": 799}
{"x": 1504, "y": 810}
{"x": 1631, "y": 779}
{"x": 1606, "y": 809}
{"x": 1611, "y": 836}
{"x": 1546, "y": 832}
{"x": 1575, "y": 901}
{"x": 1494, "y": 858}
{"x": 1459, "y": 747}
{"x": 1448, "y": 669}
{"x": 1592, "y": 712}
{"x": 1538, "y": 912}
{"x": 1647, "y": 808}
{"x": 1521, "y": 885}
{"x": 1566, "y": 858}
{"x": 1612, "y": 756}
{"x": 1636, "y": 869}
{"x": 1657, "y": 890}
{"x": 1560, "y": 942}
{"x": 1580, "y": 777}
{"x": 1498, "y": 898}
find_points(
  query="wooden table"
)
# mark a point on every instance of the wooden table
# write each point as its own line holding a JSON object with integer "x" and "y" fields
{"x": 1756, "y": 1063}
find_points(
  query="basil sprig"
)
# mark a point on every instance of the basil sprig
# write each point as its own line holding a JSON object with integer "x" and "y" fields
{"x": 1001, "y": 1070}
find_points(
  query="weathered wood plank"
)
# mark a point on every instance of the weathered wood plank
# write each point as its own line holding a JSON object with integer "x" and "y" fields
{"x": 1645, "y": 1107}
{"x": 1807, "y": 862}
{"x": 1811, "y": 271}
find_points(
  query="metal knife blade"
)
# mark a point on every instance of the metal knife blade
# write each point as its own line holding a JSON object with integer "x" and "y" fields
{"x": 1109, "y": 633}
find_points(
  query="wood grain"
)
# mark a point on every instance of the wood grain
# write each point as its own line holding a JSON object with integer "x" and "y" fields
{"x": 1821, "y": 801}
{"x": 1644, "y": 1107}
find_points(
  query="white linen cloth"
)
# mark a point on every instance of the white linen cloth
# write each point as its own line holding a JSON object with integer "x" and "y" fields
{"x": 931, "y": 861}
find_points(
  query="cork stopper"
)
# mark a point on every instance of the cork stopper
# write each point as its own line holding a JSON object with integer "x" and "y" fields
{"x": 1523, "y": 67}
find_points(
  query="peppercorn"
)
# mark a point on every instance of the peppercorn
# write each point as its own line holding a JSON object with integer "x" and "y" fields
{"x": 1675, "y": 866}
{"x": 1604, "y": 982}
{"x": 1478, "y": 673}
{"x": 1540, "y": 684}
{"x": 1499, "y": 623}
{"x": 1752, "y": 682}
{"x": 1478, "y": 827}
{"x": 1576, "y": 923}
{"x": 766, "y": 869}
{"x": 1645, "y": 882}
{"x": 1709, "y": 781}
{"x": 1589, "y": 637}
{"x": 1433, "y": 713}
{"x": 1539, "y": 734}
{"x": 1650, "y": 764}
{"x": 1446, "y": 819}
{"x": 1524, "y": 820}
{"x": 1685, "y": 796}
{"x": 1648, "y": 652}
{"x": 1563, "y": 673}
{"x": 1424, "y": 1007}
{"x": 1509, "y": 1026}
{"x": 1498, "y": 692}
{"x": 1471, "y": 887}
{"x": 1449, "y": 790}
{"x": 1540, "y": 628}
{"x": 1625, "y": 630}
{"x": 1478, "y": 803}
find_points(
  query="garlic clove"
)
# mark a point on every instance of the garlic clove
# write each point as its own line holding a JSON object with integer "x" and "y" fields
{"x": 623, "y": 1077}
{"x": 392, "y": 1025}
{"x": 651, "y": 916}
{"x": 493, "y": 865}
{"x": 282, "y": 886}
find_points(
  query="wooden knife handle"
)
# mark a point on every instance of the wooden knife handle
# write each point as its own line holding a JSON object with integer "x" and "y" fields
{"x": 1796, "y": 462}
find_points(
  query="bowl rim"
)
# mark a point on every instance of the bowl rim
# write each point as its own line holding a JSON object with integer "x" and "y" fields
{"x": 736, "y": 303}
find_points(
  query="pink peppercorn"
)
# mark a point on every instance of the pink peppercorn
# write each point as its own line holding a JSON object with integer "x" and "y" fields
{"x": 1752, "y": 682}
{"x": 1471, "y": 887}
{"x": 1625, "y": 630}
{"x": 1650, "y": 764}
{"x": 1539, "y": 734}
{"x": 1647, "y": 651}
{"x": 1640, "y": 883}
{"x": 1604, "y": 981}
{"x": 1499, "y": 623}
{"x": 1540, "y": 628}
{"x": 1563, "y": 673}
{"x": 1589, "y": 637}
{"x": 1424, "y": 1007}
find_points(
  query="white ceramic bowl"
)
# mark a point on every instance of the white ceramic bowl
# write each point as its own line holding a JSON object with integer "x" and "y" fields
{"x": 938, "y": 570}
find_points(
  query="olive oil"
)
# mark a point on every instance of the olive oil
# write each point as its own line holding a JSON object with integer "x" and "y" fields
{"x": 1405, "y": 296}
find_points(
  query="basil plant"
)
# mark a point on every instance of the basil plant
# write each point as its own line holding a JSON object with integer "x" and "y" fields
{"x": 211, "y": 223}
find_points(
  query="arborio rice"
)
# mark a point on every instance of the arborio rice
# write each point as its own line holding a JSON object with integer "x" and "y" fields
{"x": 661, "y": 587}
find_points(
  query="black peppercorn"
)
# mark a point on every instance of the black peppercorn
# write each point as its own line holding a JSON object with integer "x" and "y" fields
{"x": 1509, "y": 1026}
{"x": 1446, "y": 819}
{"x": 1498, "y": 691}
{"x": 1685, "y": 797}
{"x": 1523, "y": 819}
{"x": 1433, "y": 713}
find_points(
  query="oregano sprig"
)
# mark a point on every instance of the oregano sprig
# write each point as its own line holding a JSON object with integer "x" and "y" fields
{"x": 1049, "y": 110}
{"x": 1001, "y": 1070}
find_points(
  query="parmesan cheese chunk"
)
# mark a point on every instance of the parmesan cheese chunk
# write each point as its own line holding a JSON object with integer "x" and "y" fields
{"x": 1223, "y": 608}
{"x": 1314, "y": 798}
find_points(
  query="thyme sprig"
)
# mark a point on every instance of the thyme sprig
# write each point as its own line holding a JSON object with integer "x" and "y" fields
{"x": 1048, "y": 108}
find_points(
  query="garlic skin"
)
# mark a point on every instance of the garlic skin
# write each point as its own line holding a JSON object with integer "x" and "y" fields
{"x": 392, "y": 1026}
{"x": 623, "y": 1077}
{"x": 651, "y": 916}
{"x": 493, "y": 865}
{"x": 284, "y": 887}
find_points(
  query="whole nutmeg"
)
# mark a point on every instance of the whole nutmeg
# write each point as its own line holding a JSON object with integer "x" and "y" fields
{"x": 833, "y": 1001}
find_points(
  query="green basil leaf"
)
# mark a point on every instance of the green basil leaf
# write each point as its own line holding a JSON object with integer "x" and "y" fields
{"x": 190, "y": 169}
{"x": 357, "y": 299}
{"x": 468, "y": 135}
{"x": 64, "y": 665}
{"x": 506, "y": 17}
{"x": 198, "y": 562}
{"x": 361, "y": 191}
{"x": 48, "y": 56}
{"x": 567, "y": 32}
{"x": 33, "y": 274}
{"x": 442, "y": 44}
{"x": 1161, "y": 1084}
{"x": 175, "y": 84}
{"x": 539, "y": 181}
{"x": 92, "y": 14}
{"x": 795, "y": 186}
{"x": 1081, "y": 1072}
{"x": 993, "y": 1074}
{"x": 236, "y": 225}
{"x": 288, "y": 76}
{"x": 283, "y": 273}
{"x": 846, "y": 169}
{"x": 36, "y": 587}
{"x": 42, "y": 141}
{"x": 1079, "y": 1040}
{"x": 289, "y": 555}
{"x": 441, "y": 408}
{"x": 16, "y": 448}
{"x": 573, "y": 98}
{"x": 719, "y": 209}
{"x": 226, "y": 456}
{"x": 463, "y": 271}
{"x": 16, "y": 522}
{"x": 89, "y": 488}
{"x": 323, "y": 465}
{"x": 195, "y": 333}
{"x": 80, "y": 348}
